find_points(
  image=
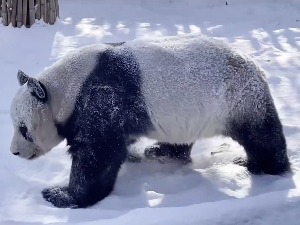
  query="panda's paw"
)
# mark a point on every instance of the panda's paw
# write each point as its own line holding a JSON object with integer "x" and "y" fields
{"x": 154, "y": 152}
{"x": 165, "y": 155}
{"x": 241, "y": 161}
{"x": 59, "y": 197}
{"x": 251, "y": 166}
{"x": 131, "y": 158}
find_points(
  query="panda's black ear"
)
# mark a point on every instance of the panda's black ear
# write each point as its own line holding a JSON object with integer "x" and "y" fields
{"x": 37, "y": 89}
{"x": 22, "y": 77}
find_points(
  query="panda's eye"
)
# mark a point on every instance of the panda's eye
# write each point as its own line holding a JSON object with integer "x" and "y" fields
{"x": 24, "y": 131}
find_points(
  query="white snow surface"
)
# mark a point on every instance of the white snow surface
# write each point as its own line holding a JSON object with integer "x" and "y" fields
{"x": 212, "y": 190}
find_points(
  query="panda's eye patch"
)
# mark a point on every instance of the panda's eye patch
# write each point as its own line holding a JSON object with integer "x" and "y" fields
{"x": 24, "y": 131}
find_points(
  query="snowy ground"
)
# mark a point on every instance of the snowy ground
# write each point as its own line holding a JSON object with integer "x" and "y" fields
{"x": 212, "y": 190}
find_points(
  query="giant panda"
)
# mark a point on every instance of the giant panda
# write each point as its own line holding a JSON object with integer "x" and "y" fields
{"x": 175, "y": 90}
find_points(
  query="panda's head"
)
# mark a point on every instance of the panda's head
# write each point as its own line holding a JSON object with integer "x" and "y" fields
{"x": 35, "y": 132}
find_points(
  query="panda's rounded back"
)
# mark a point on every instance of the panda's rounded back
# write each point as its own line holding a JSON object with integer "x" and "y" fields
{"x": 185, "y": 82}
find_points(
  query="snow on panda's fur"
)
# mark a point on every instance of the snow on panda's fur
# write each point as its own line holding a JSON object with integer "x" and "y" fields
{"x": 173, "y": 89}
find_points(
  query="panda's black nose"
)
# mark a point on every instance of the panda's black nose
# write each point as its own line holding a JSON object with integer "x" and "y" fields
{"x": 16, "y": 153}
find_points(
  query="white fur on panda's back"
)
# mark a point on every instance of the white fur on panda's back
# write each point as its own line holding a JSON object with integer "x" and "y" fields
{"x": 185, "y": 81}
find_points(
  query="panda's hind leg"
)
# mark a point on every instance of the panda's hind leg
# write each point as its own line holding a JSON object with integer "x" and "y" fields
{"x": 263, "y": 141}
{"x": 178, "y": 152}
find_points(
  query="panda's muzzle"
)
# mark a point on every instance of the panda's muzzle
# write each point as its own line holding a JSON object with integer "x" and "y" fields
{"x": 34, "y": 155}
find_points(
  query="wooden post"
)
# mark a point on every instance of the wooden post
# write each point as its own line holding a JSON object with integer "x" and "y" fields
{"x": 14, "y": 13}
{"x": 56, "y": 9}
{"x": 25, "y": 6}
{"x": 19, "y": 14}
{"x": 48, "y": 10}
{"x": 31, "y": 12}
{"x": 4, "y": 13}
{"x": 9, "y": 11}
{"x": 43, "y": 9}
{"x": 53, "y": 11}
{"x": 38, "y": 15}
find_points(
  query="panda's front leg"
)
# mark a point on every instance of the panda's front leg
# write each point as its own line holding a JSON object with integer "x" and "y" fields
{"x": 59, "y": 197}
{"x": 93, "y": 174}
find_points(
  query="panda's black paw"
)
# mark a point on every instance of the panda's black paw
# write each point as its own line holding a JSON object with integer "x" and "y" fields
{"x": 240, "y": 161}
{"x": 59, "y": 197}
{"x": 131, "y": 158}
{"x": 165, "y": 154}
{"x": 252, "y": 167}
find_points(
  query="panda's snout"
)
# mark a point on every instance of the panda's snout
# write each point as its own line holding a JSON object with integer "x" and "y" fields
{"x": 16, "y": 153}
